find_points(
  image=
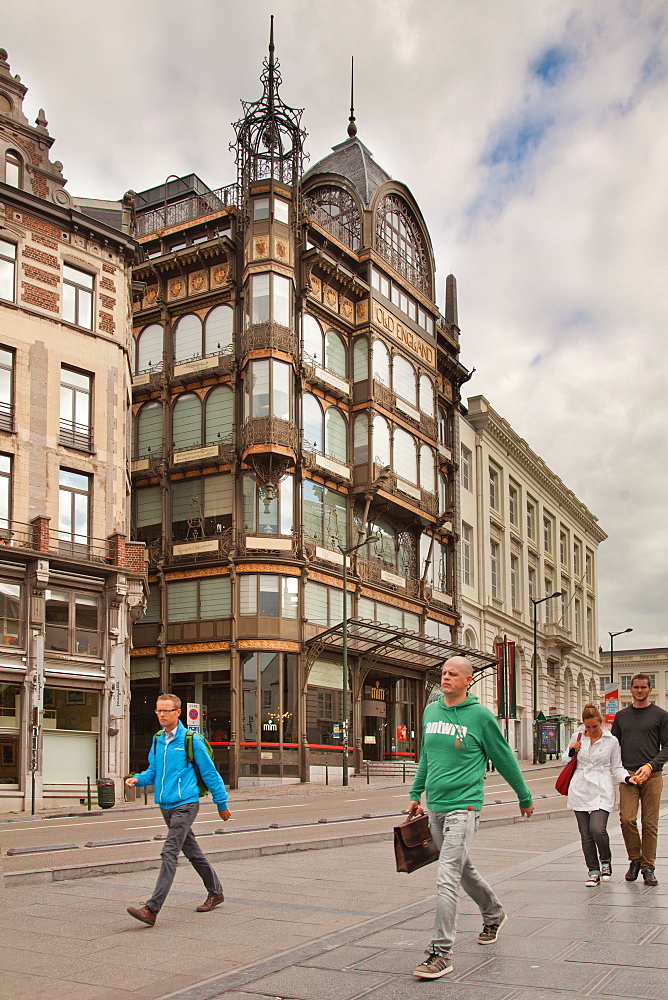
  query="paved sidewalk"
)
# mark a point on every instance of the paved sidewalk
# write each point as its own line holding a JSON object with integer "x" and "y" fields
{"x": 340, "y": 924}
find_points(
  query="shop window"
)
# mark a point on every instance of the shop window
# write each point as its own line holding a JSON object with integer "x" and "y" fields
{"x": 73, "y": 623}
{"x": 268, "y": 385}
{"x": 270, "y": 299}
{"x": 268, "y": 515}
{"x": 404, "y": 380}
{"x": 148, "y": 352}
{"x": 78, "y": 287}
{"x": 148, "y": 431}
{"x": 13, "y": 169}
{"x": 75, "y": 409}
{"x": 187, "y": 338}
{"x": 270, "y": 697}
{"x": 187, "y": 422}
{"x": 427, "y": 396}
{"x": 219, "y": 330}
{"x": 5, "y": 498}
{"x": 380, "y": 361}
{"x": 146, "y": 513}
{"x": 199, "y": 599}
{"x": 7, "y": 271}
{"x": 268, "y": 595}
{"x": 10, "y": 617}
{"x": 325, "y": 519}
{"x": 219, "y": 416}
{"x": 360, "y": 359}
{"x": 71, "y": 710}
{"x": 10, "y": 719}
{"x": 73, "y": 508}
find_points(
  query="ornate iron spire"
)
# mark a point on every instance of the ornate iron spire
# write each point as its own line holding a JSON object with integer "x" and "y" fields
{"x": 270, "y": 138}
{"x": 352, "y": 127}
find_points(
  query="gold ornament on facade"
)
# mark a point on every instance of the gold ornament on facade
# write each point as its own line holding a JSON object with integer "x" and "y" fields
{"x": 447, "y": 388}
{"x": 151, "y": 295}
{"x": 347, "y": 308}
{"x": 362, "y": 311}
{"x": 219, "y": 274}
{"x": 316, "y": 287}
{"x": 282, "y": 250}
{"x": 260, "y": 247}
{"x": 176, "y": 288}
{"x": 197, "y": 282}
{"x": 331, "y": 298}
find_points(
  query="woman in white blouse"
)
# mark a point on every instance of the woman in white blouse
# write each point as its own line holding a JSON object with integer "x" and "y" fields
{"x": 591, "y": 793}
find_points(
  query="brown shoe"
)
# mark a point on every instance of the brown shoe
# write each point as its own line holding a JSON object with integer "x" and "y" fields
{"x": 142, "y": 913}
{"x": 210, "y": 902}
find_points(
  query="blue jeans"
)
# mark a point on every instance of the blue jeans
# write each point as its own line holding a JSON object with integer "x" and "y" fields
{"x": 454, "y": 833}
{"x": 181, "y": 838}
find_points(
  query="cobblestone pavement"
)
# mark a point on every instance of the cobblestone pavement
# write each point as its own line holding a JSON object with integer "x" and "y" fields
{"x": 341, "y": 924}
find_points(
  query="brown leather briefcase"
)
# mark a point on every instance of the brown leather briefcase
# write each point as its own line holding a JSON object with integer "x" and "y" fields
{"x": 414, "y": 846}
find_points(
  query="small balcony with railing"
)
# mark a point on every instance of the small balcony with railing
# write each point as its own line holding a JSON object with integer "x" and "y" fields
{"x": 269, "y": 336}
{"x": 74, "y": 435}
{"x": 188, "y": 209}
{"x": 37, "y": 537}
{"x": 331, "y": 383}
{"x": 218, "y": 451}
{"x": 219, "y": 362}
{"x": 7, "y": 417}
{"x": 260, "y": 434}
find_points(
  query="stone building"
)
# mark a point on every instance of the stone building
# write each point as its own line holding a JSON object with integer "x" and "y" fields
{"x": 69, "y": 579}
{"x": 524, "y": 536}
{"x": 626, "y": 663}
{"x": 295, "y": 391}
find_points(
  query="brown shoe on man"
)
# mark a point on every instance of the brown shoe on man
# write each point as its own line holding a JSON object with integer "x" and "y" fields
{"x": 142, "y": 913}
{"x": 210, "y": 902}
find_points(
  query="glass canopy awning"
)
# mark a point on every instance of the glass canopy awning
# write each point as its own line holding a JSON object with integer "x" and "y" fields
{"x": 395, "y": 647}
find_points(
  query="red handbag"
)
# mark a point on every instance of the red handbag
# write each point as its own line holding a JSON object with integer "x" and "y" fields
{"x": 567, "y": 772}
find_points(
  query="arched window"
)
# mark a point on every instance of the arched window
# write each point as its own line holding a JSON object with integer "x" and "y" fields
{"x": 312, "y": 333}
{"x": 442, "y": 494}
{"x": 405, "y": 456}
{"x": 312, "y": 417}
{"x": 335, "y": 211}
{"x": 399, "y": 241}
{"x": 361, "y": 439}
{"x": 148, "y": 430}
{"x": 427, "y": 469}
{"x": 335, "y": 354}
{"x": 381, "y": 363}
{"x": 219, "y": 415}
{"x": 470, "y": 641}
{"x": 360, "y": 359}
{"x": 218, "y": 330}
{"x": 149, "y": 348}
{"x": 426, "y": 395}
{"x": 13, "y": 169}
{"x": 188, "y": 338}
{"x": 381, "y": 441}
{"x": 403, "y": 379}
{"x": 187, "y": 421}
{"x": 336, "y": 433}
{"x": 442, "y": 427}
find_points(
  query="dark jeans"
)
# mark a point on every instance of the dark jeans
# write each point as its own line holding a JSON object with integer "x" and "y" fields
{"x": 594, "y": 837}
{"x": 180, "y": 838}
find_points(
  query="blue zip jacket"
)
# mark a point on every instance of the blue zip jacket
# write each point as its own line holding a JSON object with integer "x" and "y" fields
{"x": 173, "y": 778}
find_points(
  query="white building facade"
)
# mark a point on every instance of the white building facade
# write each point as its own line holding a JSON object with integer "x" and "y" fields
{"x": 524, "y": 535}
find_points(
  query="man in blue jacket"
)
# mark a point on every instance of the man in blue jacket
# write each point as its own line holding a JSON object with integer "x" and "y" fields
{"x": 176, "y": 791}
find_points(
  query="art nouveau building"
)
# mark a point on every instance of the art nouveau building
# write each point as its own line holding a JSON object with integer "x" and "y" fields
{"x": 525, "y": 535}
{"x": 69, "y": 579}
{"x": 295, "y": 388}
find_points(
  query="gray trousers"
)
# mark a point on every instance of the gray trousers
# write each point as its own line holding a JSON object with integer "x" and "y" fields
{"x": 594, "y": 837}
{"x": 180, "y": 838}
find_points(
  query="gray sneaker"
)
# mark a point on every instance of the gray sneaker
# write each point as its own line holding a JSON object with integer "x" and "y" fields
{"x": 490, "y": 932}
{"x": 433, "y": 967}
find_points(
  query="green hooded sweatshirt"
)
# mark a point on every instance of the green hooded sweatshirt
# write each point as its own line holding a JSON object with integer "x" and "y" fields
{"x": 456, "y": 744}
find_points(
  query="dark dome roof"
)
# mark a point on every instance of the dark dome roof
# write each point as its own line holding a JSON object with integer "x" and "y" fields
{"x": 352, "y": 160}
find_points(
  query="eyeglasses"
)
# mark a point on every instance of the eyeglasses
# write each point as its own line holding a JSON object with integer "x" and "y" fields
{"x": 166, "y": 711}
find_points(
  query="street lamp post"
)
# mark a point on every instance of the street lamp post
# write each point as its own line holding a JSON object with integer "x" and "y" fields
{"x": 612, "y": 651}
{"x": 344, "y": 727}
{"x": 535, "y": 601}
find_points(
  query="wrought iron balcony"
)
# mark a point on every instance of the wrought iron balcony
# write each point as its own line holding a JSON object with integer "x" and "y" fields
{"x": 269, "y": 431}
{"x": 195, "y": 206}
{"x": 6, "y": 417}
{"x": 73, "y": 435}
{"x": 269, "y": 335}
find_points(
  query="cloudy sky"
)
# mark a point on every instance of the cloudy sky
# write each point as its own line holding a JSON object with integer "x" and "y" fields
{"x": 533, "y": 134}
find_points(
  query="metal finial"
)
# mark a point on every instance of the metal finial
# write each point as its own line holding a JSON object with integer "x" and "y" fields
{"x": 352, "y": 127}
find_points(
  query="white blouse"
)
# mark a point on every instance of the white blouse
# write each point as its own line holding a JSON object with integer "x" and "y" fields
{"x": 592, "y": 786}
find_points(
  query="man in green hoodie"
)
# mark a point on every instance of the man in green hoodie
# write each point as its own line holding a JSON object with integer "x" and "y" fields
{"x": 459, "y": 736}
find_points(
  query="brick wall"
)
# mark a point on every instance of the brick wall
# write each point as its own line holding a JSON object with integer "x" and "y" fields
{"x": 41, "y": 297}
{"x": 38, "y": 275}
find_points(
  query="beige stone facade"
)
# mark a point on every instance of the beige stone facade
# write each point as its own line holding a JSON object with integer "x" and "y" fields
{"x": 68, "y": 579}
{"x": 524, "y": 535}
{"x": 627, "y": 662}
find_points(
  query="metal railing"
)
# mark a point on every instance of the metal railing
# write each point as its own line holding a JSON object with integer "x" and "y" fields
{"x": 195, "y": 206}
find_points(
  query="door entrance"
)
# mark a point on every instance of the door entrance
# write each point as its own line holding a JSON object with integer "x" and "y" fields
{"x": 388, "y": 717}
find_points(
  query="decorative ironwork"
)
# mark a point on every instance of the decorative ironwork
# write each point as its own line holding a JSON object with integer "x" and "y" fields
{"x": 73, "y": 435}
{"x": 270, "y": 470}
{"x": 195, "y": 520}
{"x": 261, "y": 336}
{"x": 335, "y": 211}
{"x": 196, "y": 206}
{"x": 268, "y": 431}
{"x": 399, "y": 241}
{"x": 270, "y": 137}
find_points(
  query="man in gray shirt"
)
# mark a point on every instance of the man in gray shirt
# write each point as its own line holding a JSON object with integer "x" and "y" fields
{"x": 642, "y": 730}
